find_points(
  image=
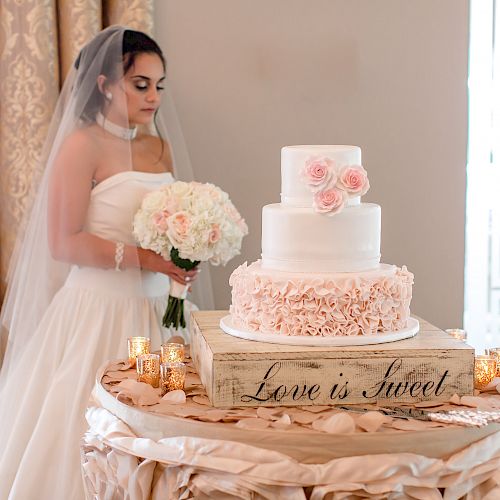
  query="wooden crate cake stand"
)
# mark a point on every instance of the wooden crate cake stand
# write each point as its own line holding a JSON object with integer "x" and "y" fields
{"x": 236, "y": 372}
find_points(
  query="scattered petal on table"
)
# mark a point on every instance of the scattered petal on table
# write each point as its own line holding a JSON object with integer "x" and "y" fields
{"x": 202, "y": 400}
{"x": 192, "y": 379}
{"x": 429, "y": 404}
{"x": 372, "y": 421}
{"x": 341, "y": 423}
{"x": 305, "y": 417}
{"x": 125, "y": 398}
{"x": 470, "y": 401}
{"x": 117, "y": 375}
{"x": 176, "y": 397}
{"x": 493, "y": 401}
{"x": 243, "y": 412}
{"x": 232, "y": 416}
{"x": 122, "y": 364}
{"x": 315, "y": 409}
{"x": 254, "y": 424}
{"x": 186, "y": 412}
{"x": 455, "y": 399}
{"x": 269, "y": 413}
{"x": 409, "y": 425}
{"x": 476, "y": 402}
{"x": 284, "y": 422}
{"x": 142, "y": 394}
{"x": 194, "y": 392}
{"x": 213, "y": 416}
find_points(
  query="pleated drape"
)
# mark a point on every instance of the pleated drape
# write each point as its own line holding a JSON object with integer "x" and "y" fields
{"x": 39, "y": 39}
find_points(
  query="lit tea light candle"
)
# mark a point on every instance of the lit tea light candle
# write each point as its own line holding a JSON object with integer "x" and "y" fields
{"x": 172, "y": 352}
{"x": 148, "y": 369}
{"x": 485, "y": 369}
{"x": 137, "y": 346}
{"x": 173, "y": 376}
{"x": 458, "y": 333}
{"x": 494, "y": 352}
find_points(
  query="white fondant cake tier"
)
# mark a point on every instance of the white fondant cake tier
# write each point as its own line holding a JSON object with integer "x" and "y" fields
{"x": 294, "y": 192}
{"x": 298, "y": 239}
{"x": 325, "y": 304}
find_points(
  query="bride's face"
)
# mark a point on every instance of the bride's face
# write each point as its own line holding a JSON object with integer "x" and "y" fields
{"x": 140, "y": 90}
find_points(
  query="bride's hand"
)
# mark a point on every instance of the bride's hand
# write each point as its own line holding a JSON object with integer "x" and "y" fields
{"x": 153, "y": 262}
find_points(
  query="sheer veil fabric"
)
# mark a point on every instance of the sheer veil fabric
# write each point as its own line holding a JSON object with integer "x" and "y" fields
{"x": 65, "y": 318}
{"x": 34, "y": 275}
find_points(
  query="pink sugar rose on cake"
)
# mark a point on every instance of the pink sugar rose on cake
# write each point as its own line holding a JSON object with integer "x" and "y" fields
{"x": 319, "y": 172}
{"x": 329, "y": 201}
{"x": 354, "y": 179}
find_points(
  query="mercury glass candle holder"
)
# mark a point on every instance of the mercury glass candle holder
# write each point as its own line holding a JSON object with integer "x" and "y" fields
{"x": 458, "y": 333}
{"x": 173, "y": 376}
{"x": 148, "y": 369}
{"x": 495, "y": 353}
{"x": 485, "y": 369}
{"x": 172, "y": 352}
{"x": 137, "y": 346}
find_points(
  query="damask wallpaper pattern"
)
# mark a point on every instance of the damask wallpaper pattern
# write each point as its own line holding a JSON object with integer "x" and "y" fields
{"x": 38, "y": 41}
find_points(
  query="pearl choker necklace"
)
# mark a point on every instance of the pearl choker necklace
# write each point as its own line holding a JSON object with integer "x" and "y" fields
{"x": 123, "y": 133}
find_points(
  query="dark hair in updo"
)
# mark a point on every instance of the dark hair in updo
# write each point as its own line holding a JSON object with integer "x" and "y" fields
{"x": 133, "y": 43}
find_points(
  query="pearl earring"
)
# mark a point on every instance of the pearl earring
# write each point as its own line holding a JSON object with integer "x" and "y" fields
{"x": 109, "y": 96}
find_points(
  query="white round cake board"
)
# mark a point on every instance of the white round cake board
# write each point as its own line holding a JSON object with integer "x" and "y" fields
{"x": 226, "y": 323}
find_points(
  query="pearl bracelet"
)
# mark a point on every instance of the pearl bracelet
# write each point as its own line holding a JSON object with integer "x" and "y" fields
{"x": 120, "y": 247}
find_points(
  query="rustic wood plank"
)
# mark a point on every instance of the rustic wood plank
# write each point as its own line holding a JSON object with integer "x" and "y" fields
{"x": 236, "y": 372}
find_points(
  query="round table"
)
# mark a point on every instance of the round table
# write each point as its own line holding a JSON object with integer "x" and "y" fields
{"x": 141, "y": 446}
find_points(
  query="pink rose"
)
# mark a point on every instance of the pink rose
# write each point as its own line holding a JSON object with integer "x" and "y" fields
{"x": 215, "y": 233}
{"x": 354, "y": 179}
{"x": 318, "y": 172}
{"x": 160, "y": 220}
{"x": 330, "y": 201}
{"x": 178, "y": 229}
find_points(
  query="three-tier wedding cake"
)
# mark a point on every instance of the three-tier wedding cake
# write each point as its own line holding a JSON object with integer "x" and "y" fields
{"x": 320, "y": 273}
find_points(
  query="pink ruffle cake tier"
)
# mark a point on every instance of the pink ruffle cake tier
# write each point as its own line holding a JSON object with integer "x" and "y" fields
{"x": 322, "y": 304}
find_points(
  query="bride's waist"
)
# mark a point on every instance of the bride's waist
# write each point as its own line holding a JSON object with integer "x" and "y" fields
{"x": 126, "y": 283}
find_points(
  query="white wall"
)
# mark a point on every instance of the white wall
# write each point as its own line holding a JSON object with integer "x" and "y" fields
{"x": 388, "y": 75}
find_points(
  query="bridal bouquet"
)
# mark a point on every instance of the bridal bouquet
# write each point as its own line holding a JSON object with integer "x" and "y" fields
{"x": 188, "y": 223}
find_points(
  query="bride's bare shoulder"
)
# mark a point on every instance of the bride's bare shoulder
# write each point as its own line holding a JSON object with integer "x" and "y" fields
{"x": 79, "y": 153}
{"x": 82, "y": 138}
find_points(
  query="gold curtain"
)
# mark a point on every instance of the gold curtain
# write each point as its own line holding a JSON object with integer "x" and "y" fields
{"x": 39, "y": 39}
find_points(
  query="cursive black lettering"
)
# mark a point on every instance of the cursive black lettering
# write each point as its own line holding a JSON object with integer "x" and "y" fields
{"x": 415, "y": 387}
{"x": 273, "y": 370}
{"x": 379, "y": 386}
{"x": 427, "y": 386}
{"x": 437, "y": 392}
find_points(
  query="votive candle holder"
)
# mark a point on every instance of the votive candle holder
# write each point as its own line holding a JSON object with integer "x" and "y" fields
{"x": 458, "y": 333}
{"x": 172, "y": 352}
{"x": 495, "y": 353}
{"x": 485, "y": 369}
{"x": 137, "y": 346}
{"x": 148, "y": 369}
{"x": 173, "y": 376}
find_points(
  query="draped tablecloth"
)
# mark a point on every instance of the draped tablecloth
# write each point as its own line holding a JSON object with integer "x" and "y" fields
{"x": 141, "y": 446}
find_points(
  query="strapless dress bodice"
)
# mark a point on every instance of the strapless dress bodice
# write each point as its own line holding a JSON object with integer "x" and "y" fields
{"x": 112, "y": 207}
{"x": 115, "y": 201}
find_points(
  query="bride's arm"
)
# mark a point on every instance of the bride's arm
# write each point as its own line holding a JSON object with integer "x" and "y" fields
{"x": 69, "y": 196}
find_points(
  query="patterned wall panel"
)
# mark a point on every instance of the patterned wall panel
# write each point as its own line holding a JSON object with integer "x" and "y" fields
{"x": 29, "y": 86}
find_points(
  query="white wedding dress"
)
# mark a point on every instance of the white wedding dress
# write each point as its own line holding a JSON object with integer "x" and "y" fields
{"x": 43, "y": 404}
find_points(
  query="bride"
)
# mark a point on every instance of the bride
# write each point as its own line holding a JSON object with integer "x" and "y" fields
{"x": 79, "y": 285}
